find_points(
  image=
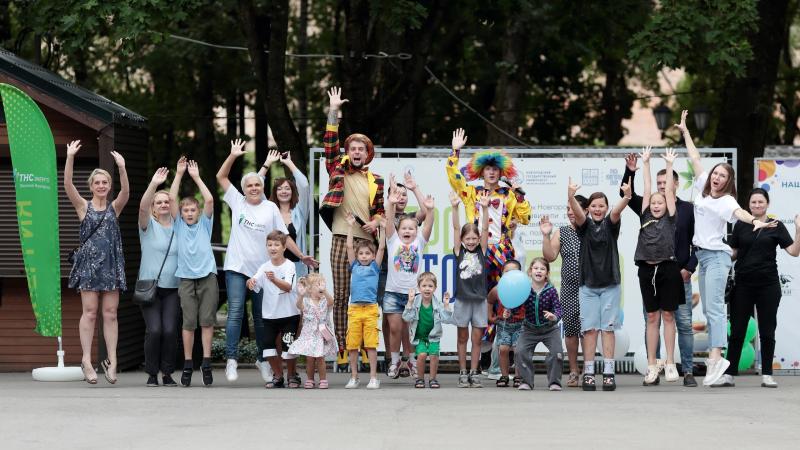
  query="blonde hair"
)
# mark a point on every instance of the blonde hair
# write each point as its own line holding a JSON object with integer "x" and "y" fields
{"x": 427, "y": 276}
{"x": 153, "y": 203}
{"x": 249, "y": 175}
{"x": 313, "y": 278}
{"x": 96, "y": 172}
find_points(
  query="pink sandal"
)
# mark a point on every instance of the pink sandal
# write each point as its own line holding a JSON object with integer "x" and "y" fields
{"x": 309, "y": 384}
{"x": 323, "y": 384}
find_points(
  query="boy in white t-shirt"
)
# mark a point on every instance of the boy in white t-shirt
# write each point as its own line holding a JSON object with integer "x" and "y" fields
{"x": 404, "y": 246}
{"x": 280, "y": 316}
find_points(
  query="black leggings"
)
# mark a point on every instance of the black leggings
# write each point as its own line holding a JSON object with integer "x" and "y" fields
{"x": 161, "y": 336}
{"x": 766, "y": 300}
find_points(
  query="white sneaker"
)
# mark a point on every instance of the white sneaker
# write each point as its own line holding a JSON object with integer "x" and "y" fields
{"x": 671, "y": 373}
{"x": 352, "y": 384}
{"x": 374, "y": 383}
{"x": 413, "y": 368}
{"x": 724, "y": 381}
{"x": 394, "y": 370}
{"x": 768, "y": 382}
{"x": 714, "y": 370}
{"x": 265, "y": 369}
{"x": 652, "y": 375}
{"x": 493, "y": 376}
{"x": 230, "y": 370}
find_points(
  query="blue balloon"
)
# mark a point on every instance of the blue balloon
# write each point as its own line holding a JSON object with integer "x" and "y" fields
{"x": 513, "y": 289}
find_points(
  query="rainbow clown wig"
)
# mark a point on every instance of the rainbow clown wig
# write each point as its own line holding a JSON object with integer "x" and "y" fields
{"x": 496, "y": 158}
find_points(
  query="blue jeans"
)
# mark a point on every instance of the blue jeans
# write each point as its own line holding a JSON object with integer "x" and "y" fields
{"x": 236, "y": 285}
{"x": 683, "y": 322}
{"x": 714, "y": 268}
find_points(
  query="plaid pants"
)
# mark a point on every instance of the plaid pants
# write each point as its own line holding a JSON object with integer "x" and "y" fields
{"x": 340, "y": 268}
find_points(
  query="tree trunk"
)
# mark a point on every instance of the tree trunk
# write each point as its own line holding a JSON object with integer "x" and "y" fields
{"x": 230, "y": 131}
{"x": 616, "y": 101}
{"x": 302, "y": 77}
{"x": 205, "y": 146}
{"x": 271, "y": 70}
{"x": 747, "y": 103}
{"x": 508, "y": 93}
{"x": 356, "y": 83}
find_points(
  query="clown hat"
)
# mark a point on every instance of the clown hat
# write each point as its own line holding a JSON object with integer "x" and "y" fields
{"x": 364, "y": 139}
{"x": 493, "y": 157}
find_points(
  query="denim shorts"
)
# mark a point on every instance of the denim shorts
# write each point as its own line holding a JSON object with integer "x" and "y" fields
{"x": 394, "y": 303}
{"x": 600, "y": 308}
{"x": 507, "y": 332}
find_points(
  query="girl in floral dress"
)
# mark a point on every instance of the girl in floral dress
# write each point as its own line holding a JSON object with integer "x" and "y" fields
{"x": 316, "y": 341}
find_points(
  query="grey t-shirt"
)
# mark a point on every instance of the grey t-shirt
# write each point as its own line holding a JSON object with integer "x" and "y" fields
{"x": 656, "y": 238}
{"x": 599, "y": 259}
{"x": 471, "y": 278}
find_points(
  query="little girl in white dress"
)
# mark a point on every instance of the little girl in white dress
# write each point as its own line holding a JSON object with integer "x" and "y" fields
{"x": 316, "y": 341}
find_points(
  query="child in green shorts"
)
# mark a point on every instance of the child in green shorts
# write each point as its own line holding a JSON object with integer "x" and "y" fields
{"x": 425, "y": 314}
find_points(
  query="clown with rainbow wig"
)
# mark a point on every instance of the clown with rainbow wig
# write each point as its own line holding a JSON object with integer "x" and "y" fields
{"x": 506, "y": 207}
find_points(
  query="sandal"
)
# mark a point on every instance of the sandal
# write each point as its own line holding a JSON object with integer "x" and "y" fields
{"x": 276, "y": 383}
{"x": 87, "y": 378}
{"x": 295, "y": 381}
{"x": 433, "y": 384}
{"x": 309, "y": 384}
{"x": 323, "y": 384}
{"x": 517, "y": 381}
{"x": 420, "y": 383}
{"x": 105, "y": 365}
{"x": 502, "y": 381}
{"x": 609, "y": 384}
{"x": 589, "y": 382}
{"x": 572, "y": 381}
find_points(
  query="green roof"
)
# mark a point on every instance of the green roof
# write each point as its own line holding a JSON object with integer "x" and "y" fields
{"x": 70, "y": 93}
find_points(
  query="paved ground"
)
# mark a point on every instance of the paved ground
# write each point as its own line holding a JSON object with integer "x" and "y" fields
{"x": 244, "y": 415}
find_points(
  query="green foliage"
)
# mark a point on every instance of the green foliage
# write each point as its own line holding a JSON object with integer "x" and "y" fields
{"x": 248, "y": 350}
{"x": 699, "y": 35}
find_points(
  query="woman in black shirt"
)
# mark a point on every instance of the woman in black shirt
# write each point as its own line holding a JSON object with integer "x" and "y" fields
{"x": 757, "y": 284}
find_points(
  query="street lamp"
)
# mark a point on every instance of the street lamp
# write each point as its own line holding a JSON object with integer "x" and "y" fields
{"x": 663, "y": 117}
{"x": 702, "y": 115}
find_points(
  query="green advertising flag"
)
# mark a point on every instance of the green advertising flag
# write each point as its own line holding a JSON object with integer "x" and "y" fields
{"x": 33, "y": 158}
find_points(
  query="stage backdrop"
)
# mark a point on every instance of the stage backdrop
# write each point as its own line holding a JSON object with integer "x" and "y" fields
{"x": 545, "y": 182}
{"x": 781, "y": 177}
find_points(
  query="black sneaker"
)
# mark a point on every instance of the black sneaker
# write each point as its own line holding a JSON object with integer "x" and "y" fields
{"x": 167, "y": 381}
{"x": 689, "y": 381}
{"x": 152, "y": 381}
{"x": 208, "y": 379}
{"x": 186, "y": 377}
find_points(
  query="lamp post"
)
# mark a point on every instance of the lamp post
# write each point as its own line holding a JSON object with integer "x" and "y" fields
{"x": 663, "y": 116}
{"x": 701, "y": 115}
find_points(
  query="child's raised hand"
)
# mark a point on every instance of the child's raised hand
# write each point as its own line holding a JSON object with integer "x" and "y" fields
{"x": 646, "y": 152}
{"x": 428, "y": 203}
{"x": 251, "y": 283}
{"x": 549, "y": 316}
{"x": 411, "y": 294}
{"x": 669, "y": 156}
{"x": 181, "y": 167}
{"x": 446, "y": 300}
{"x": 483, "y": 198}
{"x": 192, "y": 168}
{"x": 351, "y": 220}
{"x": 454, "y": 200}
{"x": 545, "y": 225}
{"x": 626, "y": 189}
{"x": 572, "y": 188}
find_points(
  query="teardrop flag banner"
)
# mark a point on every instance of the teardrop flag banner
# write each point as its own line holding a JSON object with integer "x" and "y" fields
{"x": 33, "y": 158}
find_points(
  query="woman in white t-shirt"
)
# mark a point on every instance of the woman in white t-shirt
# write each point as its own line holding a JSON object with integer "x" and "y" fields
{"x": 253, "y": 217}
{"x": 713, "y": 209}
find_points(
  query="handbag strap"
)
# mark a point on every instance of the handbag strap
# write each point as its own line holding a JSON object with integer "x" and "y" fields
{"x": 105, "y": 212}
{"x": 166, "y": 255}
